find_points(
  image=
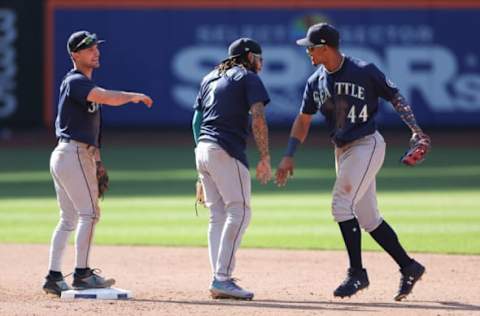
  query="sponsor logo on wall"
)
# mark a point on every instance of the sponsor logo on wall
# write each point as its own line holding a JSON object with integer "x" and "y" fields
{"x": 443, "y": 79}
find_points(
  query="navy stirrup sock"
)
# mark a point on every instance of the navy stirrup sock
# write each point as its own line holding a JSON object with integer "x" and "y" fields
{"x": 353, "y": 242}
{"x": 386, "y": 237}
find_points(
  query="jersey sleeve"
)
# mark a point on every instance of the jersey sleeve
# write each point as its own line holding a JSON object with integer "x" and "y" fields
{"x": 308, "y": 103}
{"x": 78, "y": 89}
{"x": 255, "y": 90}
{"x": 197, "y": 105}
{"x": 383, "y": 86}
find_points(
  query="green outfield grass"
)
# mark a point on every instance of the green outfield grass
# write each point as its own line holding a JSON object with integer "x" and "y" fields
{"x": 434, "y": 207}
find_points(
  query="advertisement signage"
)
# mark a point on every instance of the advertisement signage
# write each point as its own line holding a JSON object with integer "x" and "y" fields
{"x": 165, "y": 52}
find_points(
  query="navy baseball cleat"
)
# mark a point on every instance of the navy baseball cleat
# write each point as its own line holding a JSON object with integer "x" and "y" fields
{"x": 229, "y": 289}
{"x": 55, "y": 286}
{"x": 410, "y": 275}
{"x": 91, "y": 280}
{"x": 356, "y": 280}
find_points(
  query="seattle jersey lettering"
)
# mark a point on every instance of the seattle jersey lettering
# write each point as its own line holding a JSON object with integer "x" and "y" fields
{"x": 350, "y": 89}
{"x": 340, "y": 88}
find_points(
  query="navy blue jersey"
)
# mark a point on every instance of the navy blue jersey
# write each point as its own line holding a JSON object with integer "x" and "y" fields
{"x": 348, "y": 98}
{"x": 77, "y": 118}
{"x": 225, "y": 102}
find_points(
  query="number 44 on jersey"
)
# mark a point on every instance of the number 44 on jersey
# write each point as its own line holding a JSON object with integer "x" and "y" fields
{"x": 363, "y": 115}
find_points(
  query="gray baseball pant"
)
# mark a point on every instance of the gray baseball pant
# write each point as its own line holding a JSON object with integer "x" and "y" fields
{"x": 227, "y": 187}
{"x": 354, "y": 192}
{"x": 73, "y": 169}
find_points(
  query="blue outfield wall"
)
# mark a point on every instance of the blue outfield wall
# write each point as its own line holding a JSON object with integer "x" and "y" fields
{"x": 431, "y": 54}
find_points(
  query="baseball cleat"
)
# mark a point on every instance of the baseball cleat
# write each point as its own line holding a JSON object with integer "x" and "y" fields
{"x": 229, "y": 289}
{"x": 91, "y": 280}
{"x": 55, "y": 286}
{"x": 356, "y": 280}
{"x": 410, "y": 275}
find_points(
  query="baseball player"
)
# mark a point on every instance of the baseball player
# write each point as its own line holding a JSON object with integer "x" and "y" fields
{"x": 346, "y": 91}
{"x": 75, "y": 161}
{"x": 227, "y": 96}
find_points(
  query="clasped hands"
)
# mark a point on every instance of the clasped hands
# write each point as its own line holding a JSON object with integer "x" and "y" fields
{"x": 284, "y": 171}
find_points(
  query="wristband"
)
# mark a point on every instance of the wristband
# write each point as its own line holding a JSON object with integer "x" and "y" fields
{"x": 292, "y": 146}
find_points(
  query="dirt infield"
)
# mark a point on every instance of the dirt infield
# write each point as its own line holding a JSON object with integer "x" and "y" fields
{"x": 174, "y": 281}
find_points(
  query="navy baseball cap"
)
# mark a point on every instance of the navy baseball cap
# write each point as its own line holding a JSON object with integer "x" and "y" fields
{"x": 243, "y": 46}
{"x": 320, "y": 34}
{"x": 81, "y": 40}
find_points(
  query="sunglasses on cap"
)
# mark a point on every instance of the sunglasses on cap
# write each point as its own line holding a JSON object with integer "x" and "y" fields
{"x": 309, "y": 49}
{"x": 88, "y": 40}
{"x": 258, "y": 56}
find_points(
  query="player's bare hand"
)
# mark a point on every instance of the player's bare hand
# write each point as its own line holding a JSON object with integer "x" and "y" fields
{"x": 140, "y": 97}
{"x": 284, "y": 171}
{"x": 264, "y": 170}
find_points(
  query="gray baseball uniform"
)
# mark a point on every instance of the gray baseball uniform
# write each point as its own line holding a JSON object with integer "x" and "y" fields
{"x": 73, "y": 169}
{"x": 224, "y": 101}
{"x": 346, "y": 91}
{"x": 75, "y": 163}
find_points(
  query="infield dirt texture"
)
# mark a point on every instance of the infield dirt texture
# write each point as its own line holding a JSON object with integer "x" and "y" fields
{"x": 174, "y": 281}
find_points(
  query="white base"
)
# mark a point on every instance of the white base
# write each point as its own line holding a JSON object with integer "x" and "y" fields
{"x": 98, "y": 294}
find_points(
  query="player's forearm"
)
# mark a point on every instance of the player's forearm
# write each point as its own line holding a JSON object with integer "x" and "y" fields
{"x": 196, "y": 123}
{"x": 300, "y": 127}
{"x": 117, "y": 98}
{"x": 406, "y": 114}
{"x": 260, "y": 130}
{"x": 298, "y": 134}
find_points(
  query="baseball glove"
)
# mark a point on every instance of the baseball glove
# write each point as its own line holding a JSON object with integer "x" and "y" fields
{"x": 420, "y": 145}
{"x": 199, "y": 195}
{"x": 102, "y": 179}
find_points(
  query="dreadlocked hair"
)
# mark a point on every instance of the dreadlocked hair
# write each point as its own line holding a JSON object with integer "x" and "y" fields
{"x": 235, "y": 61}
